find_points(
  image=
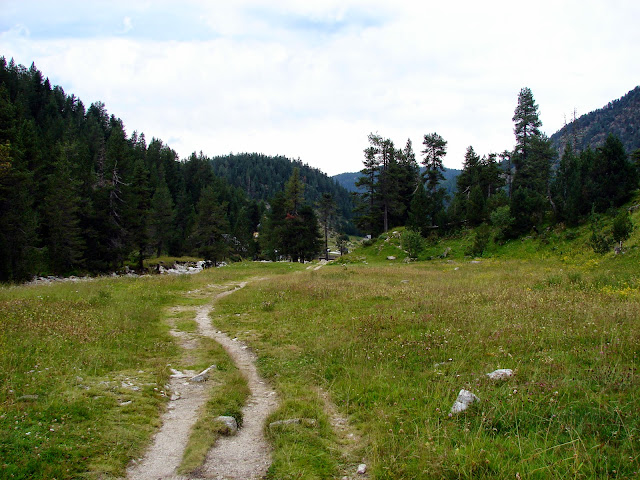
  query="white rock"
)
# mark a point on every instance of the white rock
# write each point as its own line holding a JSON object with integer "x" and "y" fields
{"x": 362, "y": 469}
{"x": 391, "y": 257}
{"x": 500, "y": 374}
{"x": 202, "y": 376}
{"x": 465, "y": 398}
{"x": 230, "y": 422}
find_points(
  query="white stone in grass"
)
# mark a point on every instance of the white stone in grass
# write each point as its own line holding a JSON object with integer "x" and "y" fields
{"x": 202, "y": 376}
{"x": 500, "y": 374}
{"x": 362, "y": 469}
{"x": 464, "y": 400}
{"x": 391, "y": 257}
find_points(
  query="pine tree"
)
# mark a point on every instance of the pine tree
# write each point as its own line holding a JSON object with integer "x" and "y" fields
{"x": 367, "y": 218}
{"x": 532, "y": 158}
{"x": 419, "y": 219}
{"x": 327, "y": 208}
{"x": 434, "y": 151}
{"x": 161, "y": 218}
{"x": 614, "y": 175}
{"x": 294, "y": 192}
{"x": 18, "y": 218}
{"x": 527, "y": 126}
{"x": 64, "y": 237}
{"x": 137, "y": 206}
{"x": 210, "y": 228}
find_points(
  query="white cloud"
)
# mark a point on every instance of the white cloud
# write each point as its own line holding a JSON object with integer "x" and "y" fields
{"x": 127, "y": 25}
{"x": 312, "y": 79}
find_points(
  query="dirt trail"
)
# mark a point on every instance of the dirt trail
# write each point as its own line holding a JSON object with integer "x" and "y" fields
{"x": 244, "y": 456}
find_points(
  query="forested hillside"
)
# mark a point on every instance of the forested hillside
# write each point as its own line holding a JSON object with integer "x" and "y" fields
{"x": 80, "y": 194}
{"x": 348, "y": 180}
{"x": 506, "y": 195}
{"x": 620, "y": 117}
{"x": 262, "y": 176}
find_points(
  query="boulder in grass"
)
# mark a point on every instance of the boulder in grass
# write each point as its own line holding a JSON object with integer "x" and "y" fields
{"x": 230, "y": 424}
{"x": 500, "y": 374}
{"x": 464, "y": 400}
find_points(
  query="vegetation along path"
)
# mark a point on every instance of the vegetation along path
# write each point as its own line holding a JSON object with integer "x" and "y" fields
{"x": 246, "y": 455}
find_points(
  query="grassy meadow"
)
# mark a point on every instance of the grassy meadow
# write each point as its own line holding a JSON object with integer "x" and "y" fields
{"x": 393, "y": 345}
{"x": 83, "y": 365}
{"x": 83, "y": 369}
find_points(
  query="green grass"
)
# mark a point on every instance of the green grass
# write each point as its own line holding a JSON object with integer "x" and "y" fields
{"x": 379, "y": 339}
{"x": 94, "y": 354}
{"x": 83, "y": 368}
{"x": 391, "y": 343}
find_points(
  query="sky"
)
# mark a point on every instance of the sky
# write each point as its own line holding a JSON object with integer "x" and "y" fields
{"x": 311, "y": 79}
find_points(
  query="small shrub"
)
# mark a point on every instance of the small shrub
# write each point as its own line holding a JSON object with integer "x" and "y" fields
{"x": 480, "y": 240}
{"x": 412, "y": 242}
{"x": 600, "y": 240}
{"x": 622, "y": 226}
{"x": 368, "y": 242}
{"x": 502, "y": 219}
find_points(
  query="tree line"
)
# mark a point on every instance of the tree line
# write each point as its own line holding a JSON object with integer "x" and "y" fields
{"x": 516, "y": 191}
{"x": 79, "y": 194}
{"x": 262, "y": 176}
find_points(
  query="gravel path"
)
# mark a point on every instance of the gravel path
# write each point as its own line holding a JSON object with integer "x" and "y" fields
{"x": 246, "y": 455}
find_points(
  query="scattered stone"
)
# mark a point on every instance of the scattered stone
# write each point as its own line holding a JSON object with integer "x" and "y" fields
{"x": 465, "y": 398}
{"x": 230, "y": 423}
{"x": 28, "y": 397}
{"x": 475, "y": 261}
{"x": 122, "y": 404}
{"x": 391, "y": 257}
{"x": 177, "y": 373}
{"x": 457, "y": 268}
{"x": 362, "y": 469}
{"x": 500, "y": 374}
{"x": 130, "y": 386}
{"x": 404, "y": 281}
{"x": 175, "y": 396}
{"x": 202, "y": 376}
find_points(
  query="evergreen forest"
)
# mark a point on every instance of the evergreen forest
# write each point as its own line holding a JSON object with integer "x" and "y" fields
{"x": 79, "y": 194}
{"x": 514, "y": 193}
{"x": 619, "y": 117}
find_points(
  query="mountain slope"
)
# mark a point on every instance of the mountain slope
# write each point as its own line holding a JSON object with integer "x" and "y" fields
{"x": 620, "y": 117}
{"x": 262, "y": 176}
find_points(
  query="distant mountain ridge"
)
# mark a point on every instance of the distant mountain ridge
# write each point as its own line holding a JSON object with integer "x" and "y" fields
{"x": 620, "y": 117}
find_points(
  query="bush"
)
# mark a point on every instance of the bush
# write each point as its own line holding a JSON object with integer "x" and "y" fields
{"x": 600, "y": 241}
{"x": 622, "y": 226}
{"x": 502, "y": 219}
{"x": 412, "y": 243}
{"x": 480, "y": 240}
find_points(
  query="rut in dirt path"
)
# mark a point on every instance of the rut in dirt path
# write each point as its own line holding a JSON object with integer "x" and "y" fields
{"x": 244, "y": 456}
